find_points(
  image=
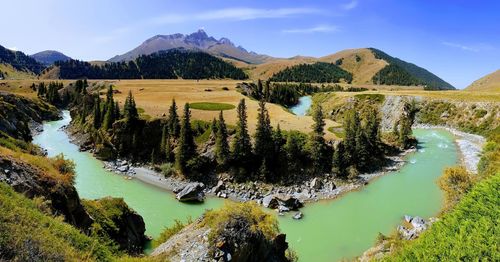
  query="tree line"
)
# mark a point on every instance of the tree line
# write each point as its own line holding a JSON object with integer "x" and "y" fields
{"x": 318, "y": 72}
{"x": 170, "y": 64}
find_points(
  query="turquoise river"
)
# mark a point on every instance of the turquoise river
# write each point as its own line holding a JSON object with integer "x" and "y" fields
{"x": 330, "y": 230}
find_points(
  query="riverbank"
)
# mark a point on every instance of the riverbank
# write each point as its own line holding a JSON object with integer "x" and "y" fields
{"x": 470, "y": 145}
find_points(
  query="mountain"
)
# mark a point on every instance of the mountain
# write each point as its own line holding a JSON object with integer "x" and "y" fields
{"x": 48, "y": 57}
{"x": 170, "y": 64}
{"x": 199, "y": 41}
{"x": 367, "y": 66}
{"x": 19, "y": 61}
{"x": 490, "y": 82}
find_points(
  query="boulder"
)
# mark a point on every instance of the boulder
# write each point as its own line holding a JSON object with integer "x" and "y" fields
{"x": 298, "y": 216}
{"x": 191, "y": 192}
{"x": 270, "y": 201}
{"x": 418, "y": 222}
{"x": 316, "y": 184}
{"x": 220, "y": 186}
{"x": 282, "y": 202}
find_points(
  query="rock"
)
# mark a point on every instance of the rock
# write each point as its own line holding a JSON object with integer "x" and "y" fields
{"x": 270, "y": 201}
{"x": 316, "y": 184}
{"x": 123, "y": 169}
{"x": 297, "y": 216}
{"x": 191, "y": 192}
{"x": 408, "y": 218}
{"x": 282, "y": 209}
{"x": 418, "y": 222}
{"x": 220, "y": 186}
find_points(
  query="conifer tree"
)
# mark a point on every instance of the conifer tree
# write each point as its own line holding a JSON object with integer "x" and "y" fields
{"x": 116, "y": 108}
{"x": 221, "y": 143}
{"x": 241, "y": 147}
{"x": 317, "y": 147}
{"x": 339, "y": 163}
{"x": 187, "y": 148}
{"x": 130, "y": 109}
{"x": 97, "y": 113}
{"x": 264, "y": 145}
{"x": 174, "y": 126}
{"x": 163, "y": 143}
{"x": 109, "y": 117}
{"x": 351, "y": 129}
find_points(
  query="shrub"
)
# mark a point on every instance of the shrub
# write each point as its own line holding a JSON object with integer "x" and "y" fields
{"x": 455, "y": 182}
{"x": 169, "y": 232}
{"x": 168, "y": 169}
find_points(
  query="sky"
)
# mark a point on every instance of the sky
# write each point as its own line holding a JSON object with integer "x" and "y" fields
{"x": 455, "y": 39}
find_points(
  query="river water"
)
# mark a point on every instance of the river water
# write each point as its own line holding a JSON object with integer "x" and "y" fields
{"x": 329, "y": 231}
{"x": 301, "y": 108}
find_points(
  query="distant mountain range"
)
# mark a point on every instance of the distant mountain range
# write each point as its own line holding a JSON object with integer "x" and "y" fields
{"x": 197, "y": 41}
{"x": 366, "y": 66}
{"x": 48, "y": 57}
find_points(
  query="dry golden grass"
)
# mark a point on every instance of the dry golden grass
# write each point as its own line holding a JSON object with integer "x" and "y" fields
{"x": 364, "y": 70}
{"x": 12, "y": 73}
{"x": 155, "y": 96}
{"x": 490, "y": 82}
{"x": 266, "y": 70}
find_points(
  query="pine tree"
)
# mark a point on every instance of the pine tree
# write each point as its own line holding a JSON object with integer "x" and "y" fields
{"x": 362, "y": 151}
{"x": 116, "y": 108}
{"x": 187, "y": 148}
{"x": 264, "y": 144}
{"x": 267, "y": 91}
{"x": 97, "y": 113}
{"x": 174, "y": 126}
{"x": 241, "y": 147}
{"x": 351, "y": 129}
{"x": 130, "y": 109}
{"x": 221, "y": 143}
{"x": 318, "y": 147}
{"x": 405, "y": 131}
{"x": 109, "y": 117}
{"x": 164, "y": 137}
{"x": 339, "y": 163}
{"x": 213, "y": 130}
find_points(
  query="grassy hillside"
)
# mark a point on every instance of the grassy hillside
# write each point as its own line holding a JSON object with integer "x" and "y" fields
{"x": 488, "y": 83}
{"x": 7, "y": 71}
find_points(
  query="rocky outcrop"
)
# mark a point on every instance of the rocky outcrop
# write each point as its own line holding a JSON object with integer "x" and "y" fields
{"x": 27, "y": 179}
{"x": 19, "y": 114}
{"x": 283, "y": 203}
{"x": 192, "y": 192}
{"x": 414, "y": 227}
{"x": 118, "y": 222}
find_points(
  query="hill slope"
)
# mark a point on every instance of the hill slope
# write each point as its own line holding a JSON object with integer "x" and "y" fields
{"x": 364, "y": 64}
{"x": 48, "y": 57}
{"x": 490, "y": 82}
{"x": 198, "y": 41}
{"x": 19, "y": 61}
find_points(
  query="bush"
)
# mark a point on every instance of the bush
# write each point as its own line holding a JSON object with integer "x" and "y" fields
{"x": 169, "y": 232}
{"x": 168, "y": 169}
{"x": 455, "y": 182}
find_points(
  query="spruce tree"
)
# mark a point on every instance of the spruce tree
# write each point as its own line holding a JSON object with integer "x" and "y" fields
{"x": 318, "y": 148}
{"x": 164, "y": 137}
{"x": 174, "y": 126}
{"x": 264, "y": 145}
{"x": 339, "y": 163}
{"x": 221, "y": 143}
{"x": 116, "y": 108}
{"x": 351, "y": 129}
{"x": 109, "y": 117}
{"x": 187, "y": 148}
{"x": 97, "y": 113}
{"x": 130, "y": 109}
{"x": 241, "y": 147}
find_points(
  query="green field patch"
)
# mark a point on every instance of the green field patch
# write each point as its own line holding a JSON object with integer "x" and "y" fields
{"x": 209, "y": 106}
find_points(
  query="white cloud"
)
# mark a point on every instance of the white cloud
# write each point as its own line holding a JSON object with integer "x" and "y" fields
{"x": 351, "y": 5}
{"x": 316, "y": 29}
{"x": 460, "y": 46}
{"x": 237, "y": 14}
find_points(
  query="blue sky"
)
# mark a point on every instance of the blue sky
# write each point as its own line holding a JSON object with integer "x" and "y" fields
{"x": 457, "y": 40}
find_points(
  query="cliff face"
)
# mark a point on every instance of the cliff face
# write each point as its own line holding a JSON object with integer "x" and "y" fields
{"x": 18, "y": 114}
{"x": 31, "y": 181}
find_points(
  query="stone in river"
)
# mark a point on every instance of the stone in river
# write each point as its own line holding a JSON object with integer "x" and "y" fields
{"x": 297, "y": 216}
{"x": 191, "y": 192}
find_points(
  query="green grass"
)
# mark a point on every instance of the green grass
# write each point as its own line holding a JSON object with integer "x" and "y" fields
{"x": 209, "y": 106}
{"x": 336, "y": 132}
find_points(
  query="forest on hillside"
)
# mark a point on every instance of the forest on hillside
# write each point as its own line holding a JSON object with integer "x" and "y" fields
{"x": 399, "y": 72}
{"x": 19, "y": 60}
{"x": 313, "y": 73}
{"x": 171, "y": 64}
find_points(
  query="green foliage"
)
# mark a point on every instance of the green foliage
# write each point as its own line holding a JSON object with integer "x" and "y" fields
{"x": 168, "y": 232}
{"x": 209, "y": 106}
{"x": 173, "y": 123}
{"x": 168, "y": 169}
{"x": 455, "y": 182}
{"x": 187, "y": 148}
{"x": 97, "y": 113}
{"x": 264, "y": 144}
{"x": 27, "y": 234}
{"x": 109, "y": 117}
{"x": 319, "y": 72}
{"x": 393, "y": 74}
{"x": 317, "y": 146}
{"x": 222, "y": 152}
{"x": 170, "y": 64}
{"x": 431, "y": 81}
{"x": 19, "y": 60}
{"x": 371, "y": 98}
{"x": 258, "y": 220}
{"x": 241, "y": 147}
{"x": 468, "y": 233}
{"x": 129, "y": 109}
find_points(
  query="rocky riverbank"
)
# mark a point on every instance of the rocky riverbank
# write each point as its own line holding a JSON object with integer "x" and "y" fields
{"x": 469, "y": 145}
{"x": 280, "y": 198}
